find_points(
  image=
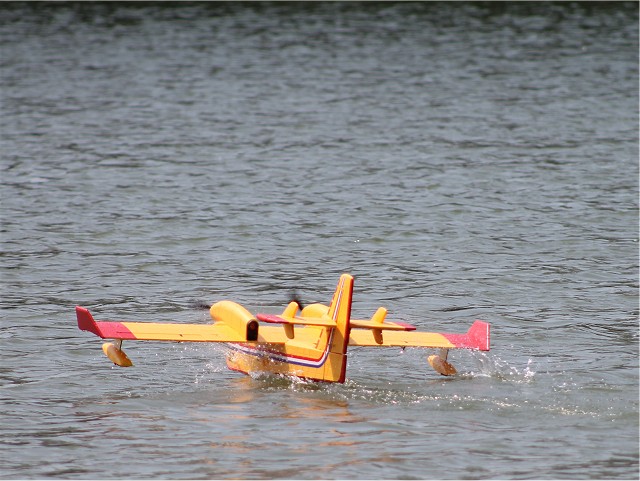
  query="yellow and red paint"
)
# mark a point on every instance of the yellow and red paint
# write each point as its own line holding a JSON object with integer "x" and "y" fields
{"x": 316, "y": 352}
{"x": 312, "y": 345}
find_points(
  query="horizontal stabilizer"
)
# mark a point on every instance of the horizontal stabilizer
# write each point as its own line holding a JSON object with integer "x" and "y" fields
{"x": 303, "y": 321}
{"x": 325, "y": 321}
{"x": 386, "y": 325}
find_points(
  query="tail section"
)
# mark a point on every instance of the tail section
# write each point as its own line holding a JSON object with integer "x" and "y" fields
{"x": 340, "y": 313}
{"x": 317, "y": 350}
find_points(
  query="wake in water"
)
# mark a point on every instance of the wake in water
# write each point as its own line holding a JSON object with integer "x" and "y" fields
{"x": 490, "y": 383}
{"x": 395, "y": 387}
{"x": 371, "y": 377}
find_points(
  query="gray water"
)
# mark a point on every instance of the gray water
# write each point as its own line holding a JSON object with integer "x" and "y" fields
{"x": 462, "y": 161}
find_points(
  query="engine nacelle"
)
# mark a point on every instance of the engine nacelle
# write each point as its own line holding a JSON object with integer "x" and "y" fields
{"x": 236, "y": 317}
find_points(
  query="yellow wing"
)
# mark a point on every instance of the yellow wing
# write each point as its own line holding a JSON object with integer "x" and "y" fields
{"x": 477, "y": 337}
{"x": 156, "y": 331}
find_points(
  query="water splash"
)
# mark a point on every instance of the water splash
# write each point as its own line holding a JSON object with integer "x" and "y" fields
{"x": 491, "y": 365}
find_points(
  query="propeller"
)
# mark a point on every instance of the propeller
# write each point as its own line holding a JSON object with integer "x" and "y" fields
{"x": 204, "y": 306}
{"x": 294, "y": 297}
{"x": 200, "y": 305}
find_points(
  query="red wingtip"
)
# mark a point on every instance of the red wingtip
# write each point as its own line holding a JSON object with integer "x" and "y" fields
{"x": 479, "y": 335}
{"x": 86, "y": 322}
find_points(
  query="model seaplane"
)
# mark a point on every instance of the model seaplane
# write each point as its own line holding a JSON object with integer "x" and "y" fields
{"x": 310, "y": 344}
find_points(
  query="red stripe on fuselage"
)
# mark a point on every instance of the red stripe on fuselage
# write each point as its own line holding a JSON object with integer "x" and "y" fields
{"x": 282, "y": 356}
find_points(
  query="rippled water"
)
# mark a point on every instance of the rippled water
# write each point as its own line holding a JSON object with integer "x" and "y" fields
{"x": 462, "y": 161}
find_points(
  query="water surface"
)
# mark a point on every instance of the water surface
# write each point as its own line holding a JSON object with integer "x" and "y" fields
{"x": 462, "y": 161}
